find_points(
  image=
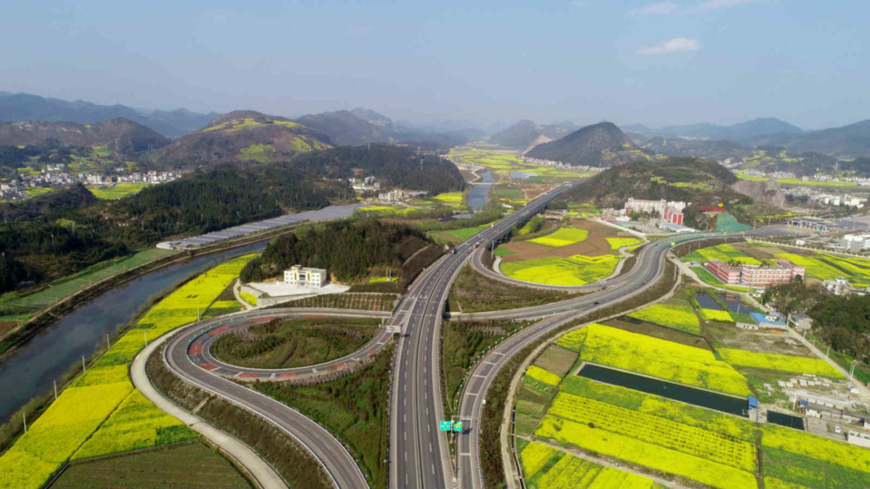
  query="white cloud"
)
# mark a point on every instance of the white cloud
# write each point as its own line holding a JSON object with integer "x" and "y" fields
{"x": 720, "y": 4}
{"x": 663, "y": 8}
{"x": 676, "y": 45}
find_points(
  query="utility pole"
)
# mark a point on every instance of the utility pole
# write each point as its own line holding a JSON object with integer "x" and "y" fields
{"x": 829, "y": 351}
{"x": 145, "y": 334}
{"x": 108, "y": 344}
{"x": 24, "y": 415}
{"x": 55, "y": 389}
{"x": 84, "y": 368}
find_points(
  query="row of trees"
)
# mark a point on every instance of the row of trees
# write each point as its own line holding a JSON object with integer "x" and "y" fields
{"x": 841, "y": 321}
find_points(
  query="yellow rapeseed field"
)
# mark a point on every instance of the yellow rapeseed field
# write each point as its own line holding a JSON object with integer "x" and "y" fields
{"x": 617, "y": 243}
{"x": 83, "y": 407}
{"x": 655, "y": 357}
{"x": 682, "y": 318}
{"x": 572, "y": 472}
{"x": 542, "y": 375}
{"x": 693, "y": 441}
{"x": 562, "y": 237}
{"x": 572, "y": 271}
{"x": 645, "y": 454}
{"x": 780, "y": 363}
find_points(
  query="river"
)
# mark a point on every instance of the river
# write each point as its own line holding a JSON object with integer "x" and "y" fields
{"x": 478, "y": 196}
{"x": 32, "y": 368}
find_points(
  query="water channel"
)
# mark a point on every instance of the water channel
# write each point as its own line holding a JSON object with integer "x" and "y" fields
{"x": 478, "y": 196}
{"x": 697, "y": 397}
{"x": 30, "y": 370}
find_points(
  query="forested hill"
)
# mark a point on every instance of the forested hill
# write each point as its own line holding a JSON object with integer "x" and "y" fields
{"x": 601, "y": 145}
{"x": 391, "y": 165}
{"x": 242, "y": 137}
{"x": 692, "y": 180}
{"x": 72, "y": 233}
{"x": 37, "y": 208}
{"x": 348, "y": 250}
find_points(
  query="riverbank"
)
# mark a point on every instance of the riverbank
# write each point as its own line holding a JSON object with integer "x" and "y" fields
{"x": 15, "y": 338}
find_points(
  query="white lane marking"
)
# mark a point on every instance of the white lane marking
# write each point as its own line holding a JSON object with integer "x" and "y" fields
{"x": 465, "y": 454}
{"x": 430, "y": 446}
{"x": 478, "y": 375}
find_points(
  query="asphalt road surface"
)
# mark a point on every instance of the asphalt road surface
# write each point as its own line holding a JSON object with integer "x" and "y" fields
{"x": 419, "y": 455}
{"x": 326, "y": 448}
{"x": 207, "y": 332}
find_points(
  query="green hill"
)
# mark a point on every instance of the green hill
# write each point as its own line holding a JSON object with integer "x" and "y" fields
{"x": 240, "y": 137}
{"x": 695, "y": 181}
{"x": 600, "y": 145}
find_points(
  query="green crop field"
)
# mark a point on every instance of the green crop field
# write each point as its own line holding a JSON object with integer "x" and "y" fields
{"x": 37, "y": 191}
{"x": 828, "y": 267}
{"x": 562, "y": 237}
{"x": 295, "y": 343}
{"x": 117, "y": 191}
{"x": 574, "y": 270}
{"x": 500, "y": 161}
{"x": 64, "y": 287}
{"x": 100, "y": 413}
{"x": 191, "y": 465}
{"x": 723, "y": 252}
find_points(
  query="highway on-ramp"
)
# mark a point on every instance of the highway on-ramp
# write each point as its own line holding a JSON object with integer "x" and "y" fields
{"x": 338, "y": 462}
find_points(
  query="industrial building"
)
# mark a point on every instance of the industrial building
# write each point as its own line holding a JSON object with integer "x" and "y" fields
{"x": 299, "y": 276}
{"x": 754, "y": 275}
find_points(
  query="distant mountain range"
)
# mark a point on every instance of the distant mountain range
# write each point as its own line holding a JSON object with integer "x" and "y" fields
{"x": 119, "y": 135}
{"x": 737, "y": 132}
{"x": 363, "y": 126}
{"x": 525, "y": 133}
{"x": 601, "y": 145}
{"x": 709, "y": 140}
{"x": 21, "y": 107}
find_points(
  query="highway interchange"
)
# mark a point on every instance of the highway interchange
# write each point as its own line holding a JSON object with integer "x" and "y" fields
{"x": 419, "y": 455}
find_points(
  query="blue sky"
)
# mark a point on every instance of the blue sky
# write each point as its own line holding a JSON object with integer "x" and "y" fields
{"x": 653, "y": 62}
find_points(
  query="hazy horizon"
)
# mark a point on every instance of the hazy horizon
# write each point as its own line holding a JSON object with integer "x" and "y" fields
{"x": 654, "y": 63}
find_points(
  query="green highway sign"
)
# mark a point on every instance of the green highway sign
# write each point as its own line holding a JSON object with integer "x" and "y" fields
{"x": 445, "y": 426}
{"x": 458, "y": 427}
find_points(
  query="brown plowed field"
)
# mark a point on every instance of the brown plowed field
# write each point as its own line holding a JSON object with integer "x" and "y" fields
{"x": 595, "y": 245}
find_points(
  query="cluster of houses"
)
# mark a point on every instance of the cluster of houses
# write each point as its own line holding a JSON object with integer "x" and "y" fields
{"x": 16, "y": 188}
